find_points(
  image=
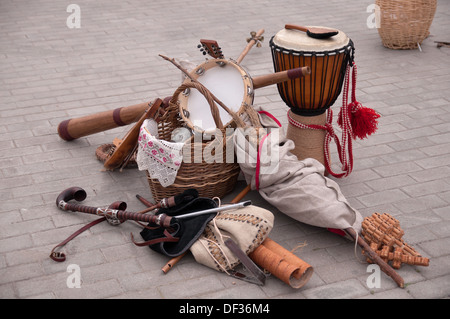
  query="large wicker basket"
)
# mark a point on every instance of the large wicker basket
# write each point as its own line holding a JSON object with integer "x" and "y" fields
{"x": 212, "y": 178}
{"x": 404, "y": 24}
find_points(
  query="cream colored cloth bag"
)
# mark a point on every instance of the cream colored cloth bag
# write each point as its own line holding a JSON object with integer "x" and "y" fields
{"x": 248, "y": 227}
{"x": 297, "y": 188}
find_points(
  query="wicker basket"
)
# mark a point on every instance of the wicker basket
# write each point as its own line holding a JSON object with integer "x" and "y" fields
{"x": 405, "y": 23}
{"x": 210, "y": 179}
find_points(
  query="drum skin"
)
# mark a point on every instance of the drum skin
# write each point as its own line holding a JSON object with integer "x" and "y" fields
{"x": 327, "y": 58}
{"x": 228, "y": 81}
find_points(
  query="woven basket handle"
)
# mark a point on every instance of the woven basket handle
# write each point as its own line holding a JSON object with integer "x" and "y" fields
{"x": 210, "y": 99}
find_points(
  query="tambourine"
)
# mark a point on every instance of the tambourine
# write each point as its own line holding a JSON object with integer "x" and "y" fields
{"x": 226, "y": 80}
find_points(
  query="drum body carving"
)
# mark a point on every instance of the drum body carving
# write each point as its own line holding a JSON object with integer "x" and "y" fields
{"x": 309, "y": 98}
{"x": 228, "y": 81}
{"x": 327, "y": 58}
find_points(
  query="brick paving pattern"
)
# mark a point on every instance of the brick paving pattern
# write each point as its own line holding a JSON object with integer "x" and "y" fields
{"x": 50, "y": 73}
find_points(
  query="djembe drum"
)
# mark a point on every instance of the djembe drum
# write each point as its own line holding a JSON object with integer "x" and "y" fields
{"x": 309, "y": 98}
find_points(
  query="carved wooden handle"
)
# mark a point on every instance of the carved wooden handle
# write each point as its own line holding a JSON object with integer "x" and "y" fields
{"x": 79, "y": 195}
{"x": 296, "y": 27}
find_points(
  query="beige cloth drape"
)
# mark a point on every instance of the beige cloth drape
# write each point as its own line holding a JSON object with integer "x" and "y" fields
{"x": 297, "y": 188}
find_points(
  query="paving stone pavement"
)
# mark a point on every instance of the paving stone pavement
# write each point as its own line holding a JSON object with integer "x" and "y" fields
{"x": 50, "y": 72}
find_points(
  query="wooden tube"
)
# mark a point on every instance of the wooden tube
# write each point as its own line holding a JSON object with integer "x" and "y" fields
{"x": 288, "y": 256}
{"x": 282, "y": 263}
{"x": 282, "y": 76}
{"x": 172, "y": 262}
{"x": 78, "y": 127}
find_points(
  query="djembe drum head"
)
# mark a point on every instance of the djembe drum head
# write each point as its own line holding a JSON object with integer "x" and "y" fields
{"x": 327, "y": 58}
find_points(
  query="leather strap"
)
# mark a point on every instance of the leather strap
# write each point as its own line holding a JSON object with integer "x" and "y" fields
{"x": 258, "y": 278}
{"x": 59, "y": 256}
{"x": 168, "y": 238}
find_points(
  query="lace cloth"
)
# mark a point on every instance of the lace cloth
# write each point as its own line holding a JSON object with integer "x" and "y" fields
{"x": 160, "y": 158}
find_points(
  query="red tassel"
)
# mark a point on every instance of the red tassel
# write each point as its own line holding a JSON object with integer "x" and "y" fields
{"x": 363, "y": 120}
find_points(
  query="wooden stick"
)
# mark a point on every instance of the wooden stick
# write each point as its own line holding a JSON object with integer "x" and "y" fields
{"x": 194, "y": 80}
{"x": 250, "y": 44}
{"x": 242, "y": 194}
{"x": 369, "y": 253}
{"x": 145, "y": 201}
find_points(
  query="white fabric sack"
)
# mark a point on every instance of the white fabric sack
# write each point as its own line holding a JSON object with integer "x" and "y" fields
{"x": 299, "y": 189}
{"x": 248, "y": 227}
